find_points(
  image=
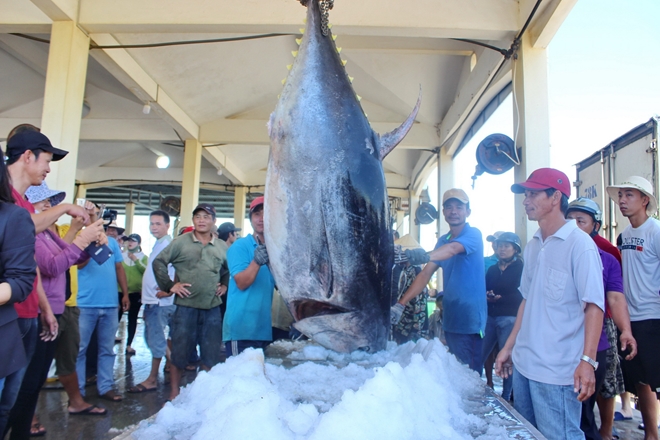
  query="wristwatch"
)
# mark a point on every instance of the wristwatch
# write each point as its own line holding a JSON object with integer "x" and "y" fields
{"x": 590, "y": 361}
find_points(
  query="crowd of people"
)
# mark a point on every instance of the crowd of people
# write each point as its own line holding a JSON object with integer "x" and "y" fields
{"x": 568, "y": 320}
{"x": 574, "y": 320}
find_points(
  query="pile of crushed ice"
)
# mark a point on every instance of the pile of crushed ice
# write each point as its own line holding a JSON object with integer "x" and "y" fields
{"x": 303, "y": 391}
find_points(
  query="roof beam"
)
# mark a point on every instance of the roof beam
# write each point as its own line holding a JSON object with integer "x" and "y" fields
{"x": 124, "y": 67}
{"x": 59, "y": 10}
{"x": 546, "y": 25}
{"x": 469, "y": 95}
{"x": 221, "y": 162}
{"x": 428, "y": 18}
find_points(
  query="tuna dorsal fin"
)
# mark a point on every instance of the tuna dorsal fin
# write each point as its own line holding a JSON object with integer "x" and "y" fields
{"x": 390, "y": 140}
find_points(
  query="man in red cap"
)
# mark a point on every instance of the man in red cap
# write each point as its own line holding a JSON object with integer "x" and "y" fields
{"x": 247, "y": 320}
{"x": 554, "y": 340}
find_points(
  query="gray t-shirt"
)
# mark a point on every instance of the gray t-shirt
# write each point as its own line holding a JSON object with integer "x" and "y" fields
{"x": 561, "y": 275}
{"x": 640, "y": 253}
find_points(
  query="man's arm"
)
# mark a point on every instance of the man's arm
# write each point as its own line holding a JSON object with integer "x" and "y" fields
{"x": 245, "y": 278}
{"x": 46, "y": 218}
{"x": 584, "y": 379}
{"x": 123, "y": 285}
{"x": 446, "y": 251}
{"x": 504, "y": 363}
{"x": 619, "y": 308}
{"x": 419, "y": 283}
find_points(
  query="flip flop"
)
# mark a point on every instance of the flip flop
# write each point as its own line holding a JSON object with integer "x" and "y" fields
{"x": 89, "y": 411}
{"x": 191, "y": 368}
{"x": 37, "y": 430}
{"x": 618, "y": 417}
{"x": 615, "y": 433}
{"x": 112, "y": 396}
{"x": 139, "y": 388}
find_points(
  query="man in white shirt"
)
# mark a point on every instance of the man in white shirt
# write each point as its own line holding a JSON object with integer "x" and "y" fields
{"x": 640, "y": 252}
{"x": 158, "y": 306}
{"x": 554, "y": 341}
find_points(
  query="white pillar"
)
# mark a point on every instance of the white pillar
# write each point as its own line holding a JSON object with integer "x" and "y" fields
{"x": 192, "y": 170}
{"x": 530, "y": 85}
{"x": 445, "y": 182}
{"x": 239, "y": 207}
{"x": 130, "y": 214}
{"x": 63, "y": 100}
{"x": 414, "y": 227}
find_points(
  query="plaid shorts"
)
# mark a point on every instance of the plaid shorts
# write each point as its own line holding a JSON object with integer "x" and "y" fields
{"x": 613, "y": 385}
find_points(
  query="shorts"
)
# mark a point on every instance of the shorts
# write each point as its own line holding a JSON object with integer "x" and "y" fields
{"x": 68, "y": 342}
{"x": 613, "y": 385}
{"x": 645, "y": 367}
{"x": 156, "y": 318}
{"x": 189, "y": 326}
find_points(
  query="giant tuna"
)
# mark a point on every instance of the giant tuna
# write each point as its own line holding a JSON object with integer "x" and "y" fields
{"x": 327, "y": 225}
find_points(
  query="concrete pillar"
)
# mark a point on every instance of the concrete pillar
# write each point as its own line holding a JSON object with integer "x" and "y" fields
{"x": 63, "y": 100}
{"x": 192, "y": 170}
{"x": 445, "y": 182}
{"x": 530, "y": 84}
{"x": 239, "y": 207}
{"x": 130, "y": 214}
{"x": 400, "y": 215}
{"x": 81, "y": 192}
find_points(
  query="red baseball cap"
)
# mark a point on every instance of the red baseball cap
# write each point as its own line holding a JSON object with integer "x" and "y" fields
{"x": 544, "y": 178}
{"x": 256, "y": 202}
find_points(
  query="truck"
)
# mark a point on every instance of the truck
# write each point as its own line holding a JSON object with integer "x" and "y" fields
{"x": 635, "y": 153}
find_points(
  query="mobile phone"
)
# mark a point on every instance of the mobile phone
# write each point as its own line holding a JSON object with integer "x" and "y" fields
{"x": 100, "y": 254}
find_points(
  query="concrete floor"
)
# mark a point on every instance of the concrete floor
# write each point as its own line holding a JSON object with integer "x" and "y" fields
{"x": 130, "y": 370}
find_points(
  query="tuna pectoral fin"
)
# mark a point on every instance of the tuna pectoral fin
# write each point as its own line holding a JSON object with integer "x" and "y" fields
{"x": 390, "y": 140}
{"x": 344, "y": 332}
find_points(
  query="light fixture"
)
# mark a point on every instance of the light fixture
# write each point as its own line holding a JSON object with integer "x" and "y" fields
{"x": 146, "y": 109}
{"x": 163, "y": 161}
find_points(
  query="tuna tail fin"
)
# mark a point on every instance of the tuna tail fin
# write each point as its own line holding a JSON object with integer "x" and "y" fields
{"x": 390, "y": 140}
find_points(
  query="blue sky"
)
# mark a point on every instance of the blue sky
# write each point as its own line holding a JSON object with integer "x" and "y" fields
{"x": 604, "y": 79}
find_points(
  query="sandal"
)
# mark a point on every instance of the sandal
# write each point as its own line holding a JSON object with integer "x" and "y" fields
{"x": 89, "y": 411}
{"x": 112, "y": 396}
{"x": 37, "y": 430}
{"x": 139, "y": 388}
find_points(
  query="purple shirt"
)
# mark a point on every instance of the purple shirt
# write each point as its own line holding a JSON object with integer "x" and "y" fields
{"x": 613, "y": 282}
{"x": 54, "y": 257}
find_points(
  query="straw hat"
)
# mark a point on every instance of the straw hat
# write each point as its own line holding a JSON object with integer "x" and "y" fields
{"x": 407, "y": 242}
{"x": 640, "y": 184}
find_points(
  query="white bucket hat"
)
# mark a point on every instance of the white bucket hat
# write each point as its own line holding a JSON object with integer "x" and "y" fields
{"x": 640, "y": 184}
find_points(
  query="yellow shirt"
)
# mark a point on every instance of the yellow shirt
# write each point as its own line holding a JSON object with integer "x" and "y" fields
{"x": 73, "y": 272}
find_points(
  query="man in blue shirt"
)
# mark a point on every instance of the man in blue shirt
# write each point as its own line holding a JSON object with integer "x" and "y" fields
{"x": 249, "y": 299}
{"x": 98, "y": 302}
{"x": 460, "y": 253}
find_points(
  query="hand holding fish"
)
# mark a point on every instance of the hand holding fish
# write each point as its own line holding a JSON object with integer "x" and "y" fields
{"x": 396, "y": 312}
{"x": 417, "y": 256}
{"x": 261, "y": 255}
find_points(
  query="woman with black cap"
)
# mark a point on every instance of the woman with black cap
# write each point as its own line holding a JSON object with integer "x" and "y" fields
{"x": 135, "y": 263}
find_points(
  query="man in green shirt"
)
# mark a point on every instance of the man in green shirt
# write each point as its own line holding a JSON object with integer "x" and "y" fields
{"x": 198, "y": 258}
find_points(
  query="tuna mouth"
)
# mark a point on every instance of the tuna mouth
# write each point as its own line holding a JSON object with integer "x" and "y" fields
{"x": 309, "y": 308}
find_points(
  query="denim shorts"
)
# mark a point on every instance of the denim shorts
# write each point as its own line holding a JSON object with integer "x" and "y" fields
{"x": 191, "y": 326}
{"x": 156, "y": 318}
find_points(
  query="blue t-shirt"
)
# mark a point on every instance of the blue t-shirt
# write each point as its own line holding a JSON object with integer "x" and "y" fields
{"x": 464, "y": 284}
{"x": 248, "y": 311}
{"x": 97, "y": 284}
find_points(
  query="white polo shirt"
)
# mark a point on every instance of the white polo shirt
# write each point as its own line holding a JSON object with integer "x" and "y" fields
{"x": 640, "y": 253}
{"x": 149, "y": 285}
{"x": 561, "y": 275}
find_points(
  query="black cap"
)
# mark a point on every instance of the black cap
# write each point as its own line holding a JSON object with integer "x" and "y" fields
{"x": 205, "y": 207}
{"x": 32, "y": 140}
{"x": 226, "y": 228}
{"x": 134, "y": 237}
